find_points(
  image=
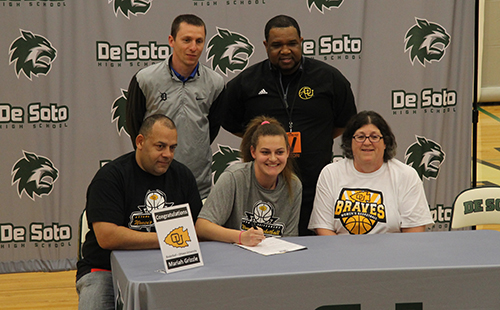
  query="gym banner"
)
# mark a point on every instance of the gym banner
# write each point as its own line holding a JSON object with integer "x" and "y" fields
{"x": 66, "y": 66}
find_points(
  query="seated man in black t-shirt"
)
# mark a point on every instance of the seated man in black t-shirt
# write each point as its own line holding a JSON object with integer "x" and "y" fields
{"x": 119, "y": 201}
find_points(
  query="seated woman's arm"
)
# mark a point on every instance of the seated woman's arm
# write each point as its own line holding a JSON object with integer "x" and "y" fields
{"x": 324, "y": 232}
{"x": 322, "y": 215}
{"x": 207, "y": 230}
{"x": 413, "y": 229}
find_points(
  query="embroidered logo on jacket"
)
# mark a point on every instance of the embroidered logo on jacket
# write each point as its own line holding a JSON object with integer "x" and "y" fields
{"x": 262, "y": 216}
{"x": 359, "y": 210}
{"x": 154, "y": 200}
{"x": 306, "y": 93}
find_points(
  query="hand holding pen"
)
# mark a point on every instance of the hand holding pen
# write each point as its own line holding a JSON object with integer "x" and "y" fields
{"x": 253, "y": 236}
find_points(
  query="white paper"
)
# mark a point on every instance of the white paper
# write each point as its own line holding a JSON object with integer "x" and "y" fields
{"x": 179, "y": 245}
{"x": 273, "y": 245}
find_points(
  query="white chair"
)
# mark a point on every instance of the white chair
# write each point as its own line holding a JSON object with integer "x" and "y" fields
{"x": 476, "y": 206}
{"x": 82, "y": 230}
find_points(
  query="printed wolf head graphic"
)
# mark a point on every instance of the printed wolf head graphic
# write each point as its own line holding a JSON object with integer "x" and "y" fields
{"x": 35, "y": 175}
{"x": 32, "y": 53}
{"x": 133, "y": 7}
{"x": 425, "y": 156}
{"x": 323, "y": 4}
{"x": 222, "y": 159}
{"x": 229, "y": 51}
{"x": 426, "y": 41}
{"x": 118, "y": 110}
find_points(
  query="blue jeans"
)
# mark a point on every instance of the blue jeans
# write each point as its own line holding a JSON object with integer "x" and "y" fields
{"x": 95, "y": 291}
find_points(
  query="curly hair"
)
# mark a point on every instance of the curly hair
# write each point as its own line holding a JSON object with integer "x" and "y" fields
{"x": 364, "y": 118}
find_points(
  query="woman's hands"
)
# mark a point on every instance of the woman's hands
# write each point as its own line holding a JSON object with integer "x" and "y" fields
{"x": 207, "y": 230}
{"x": 252, "y": 237}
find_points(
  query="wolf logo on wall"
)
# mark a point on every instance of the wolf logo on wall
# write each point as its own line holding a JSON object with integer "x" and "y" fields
{"x": 32, "y": 53}
{"x": 35, "y": 175}
{"x": 222, "y": 159}
{"x": 426, "y": 157}
{"x": 230, "y": 51}
{"x": 118, "y": 110}
{"x": 426, "y": 41}
{"x": 133, "y": 7}
{"x": 323, "y": 4}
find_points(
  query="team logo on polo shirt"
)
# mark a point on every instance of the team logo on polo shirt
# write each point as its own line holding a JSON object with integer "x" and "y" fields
{"x": 154, "y": 200}
{"x": 262, "y": 216}
{"x": 426, "y": 41}
{"x": 323, "y": 4}
{"x": 359, "y": 210}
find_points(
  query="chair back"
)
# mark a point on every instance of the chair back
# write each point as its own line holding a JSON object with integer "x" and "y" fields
{"x": 476, "y": 206}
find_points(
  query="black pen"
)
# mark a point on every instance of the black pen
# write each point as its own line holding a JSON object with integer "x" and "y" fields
{"x": 254, "y": 226}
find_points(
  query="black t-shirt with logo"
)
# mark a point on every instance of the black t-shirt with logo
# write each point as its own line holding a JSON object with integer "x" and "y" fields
{"x": 124, "y": 194}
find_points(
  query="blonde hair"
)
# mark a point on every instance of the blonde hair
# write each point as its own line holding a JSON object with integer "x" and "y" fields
{"x": 266, "y": 126}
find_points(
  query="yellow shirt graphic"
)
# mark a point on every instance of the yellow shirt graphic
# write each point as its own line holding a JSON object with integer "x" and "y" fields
{"x": 360, "y": 210}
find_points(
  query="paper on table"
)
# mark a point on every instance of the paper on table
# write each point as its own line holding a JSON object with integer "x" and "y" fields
{"x": 272, "y": 245}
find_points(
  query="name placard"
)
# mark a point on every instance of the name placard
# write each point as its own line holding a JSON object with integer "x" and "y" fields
{"x": 177, "y": 237}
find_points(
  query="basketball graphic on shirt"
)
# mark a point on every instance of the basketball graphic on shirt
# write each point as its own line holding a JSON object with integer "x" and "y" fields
{"x": 360, "y": 210}
{"x": 262, "y": 213}
{"x": 358, "y": 224}
{"x": 155, "y": 200}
